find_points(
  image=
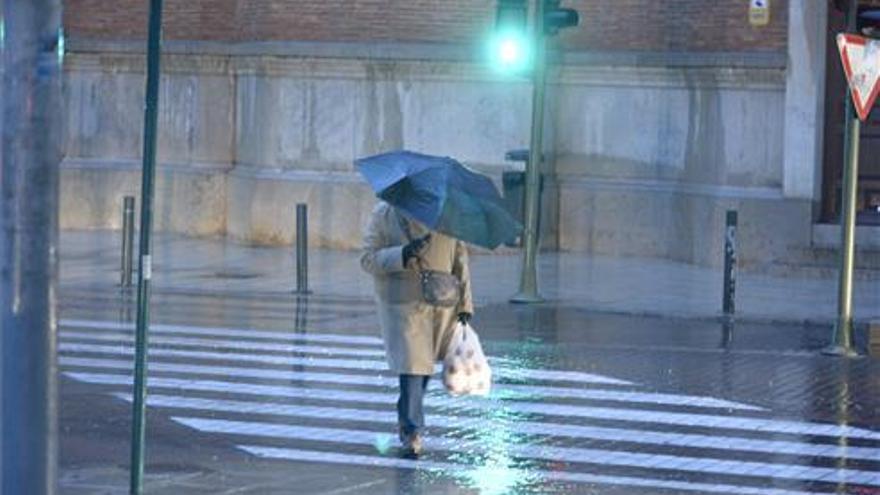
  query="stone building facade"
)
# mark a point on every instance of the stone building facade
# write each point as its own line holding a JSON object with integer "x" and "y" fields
{"x": 661, "y": 115}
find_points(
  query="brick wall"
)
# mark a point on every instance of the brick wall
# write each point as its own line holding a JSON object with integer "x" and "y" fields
{"x": 661, "y": 25}
{"x": 677, "y": 25}
{"x": 127, "y": 19}
{"x": 451, "y": 21}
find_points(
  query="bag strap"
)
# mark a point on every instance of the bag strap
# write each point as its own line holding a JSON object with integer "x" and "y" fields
{"x": 404, "y": 226}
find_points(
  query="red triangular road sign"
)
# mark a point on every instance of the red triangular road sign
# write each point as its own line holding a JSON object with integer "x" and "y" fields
{"x": 861, "y": 64}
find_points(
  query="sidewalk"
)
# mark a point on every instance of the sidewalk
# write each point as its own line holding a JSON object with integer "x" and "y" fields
{"x": 618, "y": 285}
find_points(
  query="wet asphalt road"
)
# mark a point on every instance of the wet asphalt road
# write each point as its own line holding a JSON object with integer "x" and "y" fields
{"x": 273, "y": 394}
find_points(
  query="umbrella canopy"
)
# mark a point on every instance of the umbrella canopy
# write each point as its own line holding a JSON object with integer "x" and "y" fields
{"x": 442, "y": 194}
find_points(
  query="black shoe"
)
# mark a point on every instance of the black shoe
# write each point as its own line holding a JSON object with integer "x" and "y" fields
{"x": 411, "y": 443}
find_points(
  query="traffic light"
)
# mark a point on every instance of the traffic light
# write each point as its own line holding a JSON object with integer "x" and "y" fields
{"x": 510, "y": 46}
{"x": 556, "y": 17}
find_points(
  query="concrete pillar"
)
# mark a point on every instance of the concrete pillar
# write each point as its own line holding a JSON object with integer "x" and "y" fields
{"x": 805, "y": 99}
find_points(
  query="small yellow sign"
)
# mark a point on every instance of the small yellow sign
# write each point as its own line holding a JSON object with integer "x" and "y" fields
{"x": 759, "y": 12}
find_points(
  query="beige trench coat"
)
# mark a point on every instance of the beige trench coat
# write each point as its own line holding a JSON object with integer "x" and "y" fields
{"x": 415, "y": 334}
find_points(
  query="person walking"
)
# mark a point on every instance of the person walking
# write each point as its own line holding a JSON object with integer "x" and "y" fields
{"x": 415, "y": 333}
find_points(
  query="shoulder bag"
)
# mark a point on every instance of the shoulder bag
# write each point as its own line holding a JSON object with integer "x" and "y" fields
{"x": 438, "y": 288}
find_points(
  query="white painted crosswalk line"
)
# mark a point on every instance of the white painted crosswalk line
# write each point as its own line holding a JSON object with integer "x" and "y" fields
{"x": 239, "y": 344}
{"x": 717, "y": 442}
{"x": 226, "y": 332}
{"x": 469, "y": 403}
{"x": 562, "y": 454}
{"x": 480, "y": 474}
{"x": 375, "y": 380}
{"x": 506, "y": 391}
{"x": 369, "y": 365}
{"x": 514, "y": 372}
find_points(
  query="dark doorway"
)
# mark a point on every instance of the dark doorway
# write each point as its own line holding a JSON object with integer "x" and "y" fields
{"x": 868, "y": 201}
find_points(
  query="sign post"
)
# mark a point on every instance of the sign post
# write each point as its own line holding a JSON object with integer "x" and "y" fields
{"x": 145, "y": 266}
{"x": 861, "y": 64}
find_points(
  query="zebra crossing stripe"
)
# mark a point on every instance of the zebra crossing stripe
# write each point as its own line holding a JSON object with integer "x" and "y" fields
{"x": 476, "y": 474}
{"x": 226, "y": 332}
{"x": 476, "y": 403}
{"x": 719, "y": 442}
{"x": 227, "y": 371}
{"x": 512, "y": 392}
{"x": 331, "y": 338}
{"x": 563, "y": 454}
{"x": 227, "y": 344}
{"x": 369, "y": 365}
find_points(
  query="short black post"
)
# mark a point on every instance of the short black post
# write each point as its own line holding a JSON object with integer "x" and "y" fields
{"x": 301, "y": 315}
{"x": 302, "y": 244}
{"x": 729, "y": 305}
{"x": 727, "y": 330}
{"x": 127, "y": 240}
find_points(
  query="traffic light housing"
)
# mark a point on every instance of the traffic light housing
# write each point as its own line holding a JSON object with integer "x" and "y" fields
{"x": 557, "y": 17}
{"x": 510, "y": 46}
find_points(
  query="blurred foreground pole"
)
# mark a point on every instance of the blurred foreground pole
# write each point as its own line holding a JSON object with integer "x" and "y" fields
{"x": 30, "y": 36}
{"x": 145, "y": 265}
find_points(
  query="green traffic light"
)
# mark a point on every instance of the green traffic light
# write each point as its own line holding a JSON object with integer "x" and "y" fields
{"x": 509, "y": 51}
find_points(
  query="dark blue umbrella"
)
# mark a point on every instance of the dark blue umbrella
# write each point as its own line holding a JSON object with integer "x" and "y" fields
{"x": 442, "y": 194}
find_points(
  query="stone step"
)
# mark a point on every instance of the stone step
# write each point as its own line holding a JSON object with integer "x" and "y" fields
{"x": 821, "y": 262}
{"x": 874, "y": 338}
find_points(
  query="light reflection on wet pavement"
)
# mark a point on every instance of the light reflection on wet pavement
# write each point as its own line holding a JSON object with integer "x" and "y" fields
{"x": 279, "y": 395}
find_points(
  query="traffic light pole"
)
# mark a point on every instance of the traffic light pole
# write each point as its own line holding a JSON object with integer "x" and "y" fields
{"x": 841, "y": 337}
{"x": 30, "y": 100}
{"x": 528, "y": 289}
{"x": 145, "y": 268}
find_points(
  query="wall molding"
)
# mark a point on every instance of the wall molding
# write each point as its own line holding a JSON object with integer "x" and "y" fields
{"x": 754, "y": 79}
{"x": 135, "y": 63}
{"x": 587, "y": 183}
{"x": 243, "y": 171}
{"x": 135, "y": 165}
{"x": 678, "y": 77}
{"x": 430, "y": 52}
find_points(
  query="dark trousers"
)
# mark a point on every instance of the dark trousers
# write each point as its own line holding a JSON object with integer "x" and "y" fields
{"x": 410, "y": 414}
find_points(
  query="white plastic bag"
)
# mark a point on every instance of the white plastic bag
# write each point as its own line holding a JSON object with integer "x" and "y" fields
{"x": 465, "y": 368}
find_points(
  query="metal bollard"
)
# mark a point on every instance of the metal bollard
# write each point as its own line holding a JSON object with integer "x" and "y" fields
{"x": 729, "y": 304}
{"x": 727, "y": 331}
{"x": 302, "y": 244}
{"x": 127, "y": 240}
{"x": 301, "y": 315}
